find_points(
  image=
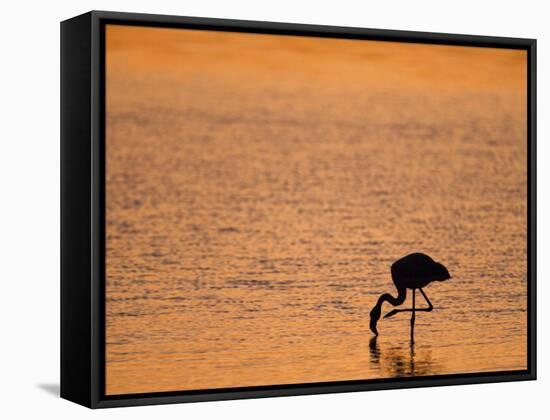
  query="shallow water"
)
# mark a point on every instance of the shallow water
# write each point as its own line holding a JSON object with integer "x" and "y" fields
{"x": 253, "y": 213}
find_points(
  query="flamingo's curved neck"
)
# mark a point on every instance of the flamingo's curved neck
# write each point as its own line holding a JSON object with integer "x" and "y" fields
{"x": 386, "y": 297}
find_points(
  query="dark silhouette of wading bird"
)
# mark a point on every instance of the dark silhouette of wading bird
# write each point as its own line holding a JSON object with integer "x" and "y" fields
{"x": 414, "y": 271}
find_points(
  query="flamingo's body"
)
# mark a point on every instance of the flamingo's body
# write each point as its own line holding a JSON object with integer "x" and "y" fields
{"x": 411, "y": 272}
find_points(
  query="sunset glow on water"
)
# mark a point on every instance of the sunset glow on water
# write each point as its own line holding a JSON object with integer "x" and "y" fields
{"x": 259, "y": 187}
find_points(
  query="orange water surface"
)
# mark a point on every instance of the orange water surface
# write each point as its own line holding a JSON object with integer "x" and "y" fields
{"x": 258, "y": 188}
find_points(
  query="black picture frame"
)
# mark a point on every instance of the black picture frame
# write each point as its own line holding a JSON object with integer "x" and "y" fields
{"x": 83, "y": 208}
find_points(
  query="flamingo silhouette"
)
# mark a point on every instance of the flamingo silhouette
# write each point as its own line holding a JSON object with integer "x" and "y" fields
{"x": 413, "y": 271}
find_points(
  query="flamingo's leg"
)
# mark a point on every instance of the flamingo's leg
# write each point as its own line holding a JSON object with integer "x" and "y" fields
{"x": 413, "y": 316}
{"x": 428, "y": 309}
{"x": 430, "y": 306}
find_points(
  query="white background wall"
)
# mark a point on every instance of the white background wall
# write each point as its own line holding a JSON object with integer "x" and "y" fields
{"x": 29, "y": 208}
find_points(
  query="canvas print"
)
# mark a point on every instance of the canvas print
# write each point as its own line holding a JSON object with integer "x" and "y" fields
{"x": 292, "y": 210}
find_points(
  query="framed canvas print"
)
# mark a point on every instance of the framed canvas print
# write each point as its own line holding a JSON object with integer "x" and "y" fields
{"x": 255, "y": 209}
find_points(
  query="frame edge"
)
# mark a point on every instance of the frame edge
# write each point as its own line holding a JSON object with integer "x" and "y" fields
{"x": 76, "y": 225}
